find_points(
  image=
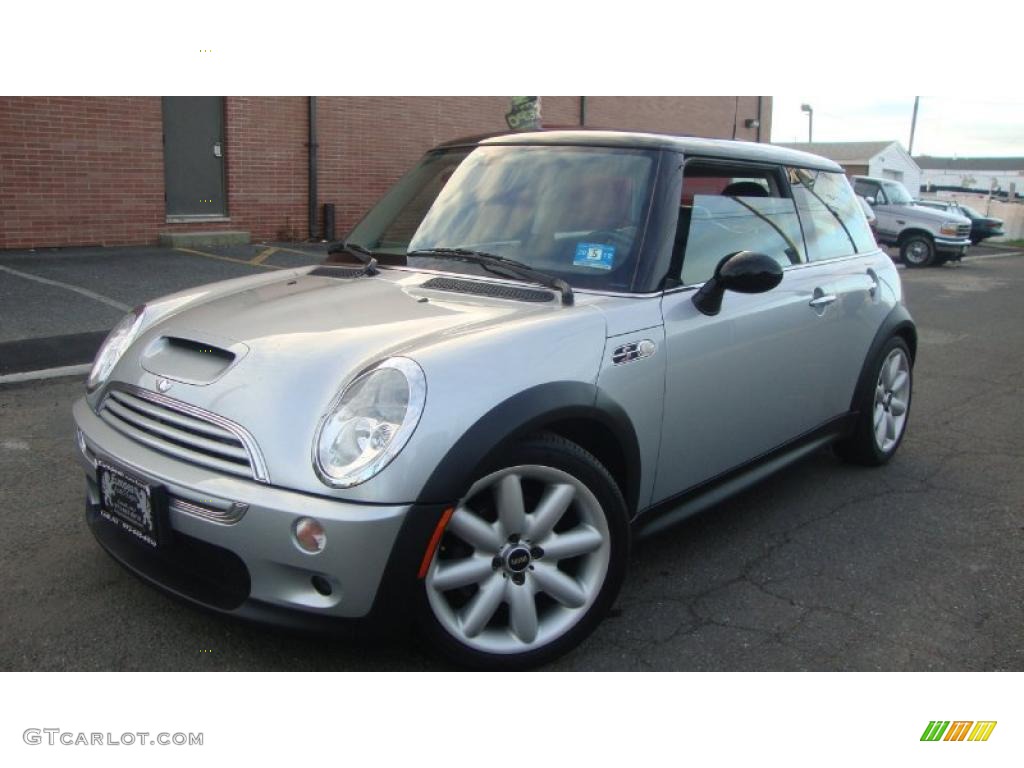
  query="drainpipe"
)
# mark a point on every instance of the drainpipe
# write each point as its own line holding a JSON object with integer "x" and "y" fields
{"x": 583, "y": 110}
{"x": 312, "y": 169}
{"x": 759, "y": 118}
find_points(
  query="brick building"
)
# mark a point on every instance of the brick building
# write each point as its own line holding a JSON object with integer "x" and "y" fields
{"x": 123, "y": 170}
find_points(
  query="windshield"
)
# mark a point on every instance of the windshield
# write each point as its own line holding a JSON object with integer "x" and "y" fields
{"x": 896, "y": 193}
{"x": 969, "y": 212}
{"x": 576, "y": 213}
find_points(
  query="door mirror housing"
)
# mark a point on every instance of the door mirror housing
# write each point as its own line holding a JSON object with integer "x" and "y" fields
{"x": 870, "y": 200}
{"x": 743, "y": 272}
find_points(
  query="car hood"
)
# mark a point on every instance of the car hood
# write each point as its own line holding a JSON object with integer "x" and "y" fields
{"x": 321, "y": 324}
{"x": 272, "y": 352}
{"x": 922, "y": 213}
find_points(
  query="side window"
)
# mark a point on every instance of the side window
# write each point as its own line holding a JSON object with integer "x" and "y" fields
{"x": 868, "y": 189}
{"x": 727, "y": 209}
{"x": 834, "y": 224}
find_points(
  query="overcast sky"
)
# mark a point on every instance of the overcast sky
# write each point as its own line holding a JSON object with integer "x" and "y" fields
{"x": 969, "y": 127}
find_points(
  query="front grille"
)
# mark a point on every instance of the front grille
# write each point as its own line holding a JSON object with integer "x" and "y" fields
{"x": 182, "y": 431}
{"x": 963, "y": 230}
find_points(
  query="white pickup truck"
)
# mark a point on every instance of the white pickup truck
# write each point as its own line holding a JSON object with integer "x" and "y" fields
{"x": 924, "y": 236}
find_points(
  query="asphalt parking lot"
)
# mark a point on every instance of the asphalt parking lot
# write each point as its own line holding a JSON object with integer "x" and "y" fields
{"x": 915, "y": 566}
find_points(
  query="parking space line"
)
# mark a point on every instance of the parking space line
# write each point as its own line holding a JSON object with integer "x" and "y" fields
{"x": 47, "y": 373}
{"x": 301, "y": 253}
{"x": 263, "y": 255}
{"x": 68, "y": 287}
{"x": 225, "y": 258}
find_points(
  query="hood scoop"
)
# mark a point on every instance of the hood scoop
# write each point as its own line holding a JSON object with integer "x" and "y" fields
{"x": 189, "y": 360}
{"x": 492, "y": 290}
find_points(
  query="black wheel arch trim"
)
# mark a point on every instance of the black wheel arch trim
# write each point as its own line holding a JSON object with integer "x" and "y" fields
{"x": 897, "y": 323}
{"x": 523, "y": 414}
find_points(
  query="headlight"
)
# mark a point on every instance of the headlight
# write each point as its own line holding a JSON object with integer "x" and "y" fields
{"x": 369, "y": 423}
{"x": 949, "y": 228}
{"x": 117, "y": 341}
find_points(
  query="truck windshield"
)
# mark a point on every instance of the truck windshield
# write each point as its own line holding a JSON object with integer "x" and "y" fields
{"x": 576, "y": 213}
{"x": 896, "y": 193}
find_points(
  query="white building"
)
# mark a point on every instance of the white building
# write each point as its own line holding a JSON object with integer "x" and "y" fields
{"x": 883, "y": 159}
{"x": 984, "y": 174}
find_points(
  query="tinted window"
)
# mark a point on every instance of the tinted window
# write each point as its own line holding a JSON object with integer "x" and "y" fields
{"x": 726, "y": 210}
{"x": 834, "y": 225}
{"x": 866, "y": 189}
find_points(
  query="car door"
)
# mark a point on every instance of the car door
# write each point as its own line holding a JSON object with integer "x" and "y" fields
{"x": 752, "y": 377}
{"x": 844, "y": 259}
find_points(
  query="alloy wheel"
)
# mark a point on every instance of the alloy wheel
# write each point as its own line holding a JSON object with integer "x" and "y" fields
{"x": 892, "y": 399}
{"x": 523, "y": 559}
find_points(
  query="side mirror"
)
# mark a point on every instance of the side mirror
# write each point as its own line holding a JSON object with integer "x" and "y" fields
{"x": 870, "y": 200}
{"x": 743, "y": 272}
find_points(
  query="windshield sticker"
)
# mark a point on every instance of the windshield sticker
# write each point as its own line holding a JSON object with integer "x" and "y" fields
{"x": 594, "y": 255}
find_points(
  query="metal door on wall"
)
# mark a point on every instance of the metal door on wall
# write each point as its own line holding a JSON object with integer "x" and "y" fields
{"x": 194, "y": 156}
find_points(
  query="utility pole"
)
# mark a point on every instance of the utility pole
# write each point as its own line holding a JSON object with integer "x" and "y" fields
{"x": 913, "y": 125}
{"x": 810, "y": 122}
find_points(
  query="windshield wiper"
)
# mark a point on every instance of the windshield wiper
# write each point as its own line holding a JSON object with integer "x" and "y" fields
{"x": 363, "y": 255}
{"x": 502, "y": 265}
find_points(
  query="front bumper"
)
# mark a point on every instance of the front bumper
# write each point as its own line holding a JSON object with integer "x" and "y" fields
{"x": 952, "y": 244}
{"x": 253, "y": 568}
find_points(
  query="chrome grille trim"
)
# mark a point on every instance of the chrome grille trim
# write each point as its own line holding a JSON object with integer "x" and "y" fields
{"x": 182, "y": 430}
{"x": 235, "y": 512}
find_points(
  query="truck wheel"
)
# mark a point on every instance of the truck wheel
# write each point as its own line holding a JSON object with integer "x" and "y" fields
{"x": 530, "y": 561}
{"x": 918, "y": 251}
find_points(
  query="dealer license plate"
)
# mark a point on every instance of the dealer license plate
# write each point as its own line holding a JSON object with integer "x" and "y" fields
{"x": 134, "y": 506}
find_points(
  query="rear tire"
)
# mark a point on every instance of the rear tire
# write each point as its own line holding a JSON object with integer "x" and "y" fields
{"x": 531, "y": 560}
{"x": 883, "y": 408}
{"x": 918, "y": 251}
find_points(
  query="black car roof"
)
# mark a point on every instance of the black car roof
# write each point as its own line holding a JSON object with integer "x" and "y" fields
{"x": 687, "y": 145}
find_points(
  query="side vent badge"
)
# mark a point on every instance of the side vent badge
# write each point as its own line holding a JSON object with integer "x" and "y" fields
{"x": 163, "y": 385}
{"x": 635, "y": 350}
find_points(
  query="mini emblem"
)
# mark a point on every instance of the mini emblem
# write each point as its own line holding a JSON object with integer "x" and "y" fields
{"x": 162, "y": 385}
{"x": 518, "y": 559}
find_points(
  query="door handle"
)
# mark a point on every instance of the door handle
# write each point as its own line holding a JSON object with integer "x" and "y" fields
{"x": 822, "y": 301}
{"x": 872, "y": 283}
{"x": 216, "y": 150}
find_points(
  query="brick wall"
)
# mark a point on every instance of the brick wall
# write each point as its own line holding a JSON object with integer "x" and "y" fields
{"x": 267, "y": 167}
{"x": 88, "y": 170}
{"x": 80, "y": 171}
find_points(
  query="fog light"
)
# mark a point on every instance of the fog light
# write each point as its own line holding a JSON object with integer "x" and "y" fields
{"x": 310, "y": 535}
{"x": 322, "y": 585}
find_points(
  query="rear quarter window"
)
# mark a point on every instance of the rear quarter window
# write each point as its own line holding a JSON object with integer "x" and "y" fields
{"x": 834, "y": 224}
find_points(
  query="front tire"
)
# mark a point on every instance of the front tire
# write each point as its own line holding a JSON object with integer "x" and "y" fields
{"x": 531, "y": 559}
{"x": 918, "y": 251}
{"x": 882, "y": 409}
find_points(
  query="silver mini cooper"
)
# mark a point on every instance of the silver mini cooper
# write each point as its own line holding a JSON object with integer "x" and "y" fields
{"x": 533, "y": 349}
